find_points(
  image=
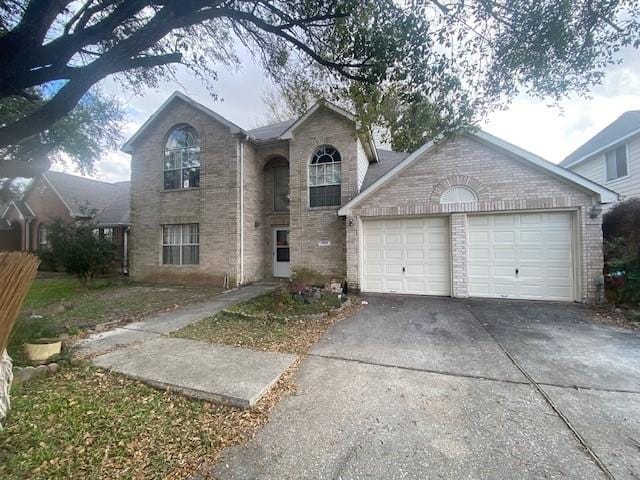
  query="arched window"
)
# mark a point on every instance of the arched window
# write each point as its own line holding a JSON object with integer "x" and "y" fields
{"x": 325, "y": 177}
{"x": 458, "y": 194}
{"x": 182, "y": 159}
{"x": 43, "y": 241}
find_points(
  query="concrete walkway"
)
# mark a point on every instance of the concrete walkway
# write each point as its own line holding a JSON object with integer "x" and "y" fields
{"x": 219, "y": 373}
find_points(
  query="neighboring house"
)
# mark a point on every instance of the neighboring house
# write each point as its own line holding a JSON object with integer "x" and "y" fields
{"x": 612, "y": 157}
{"x": 59, "y": 195}
{"x": 470, "y": 215}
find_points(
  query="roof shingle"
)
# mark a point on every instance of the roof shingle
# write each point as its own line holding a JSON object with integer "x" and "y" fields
{"x": 625, "y": 124}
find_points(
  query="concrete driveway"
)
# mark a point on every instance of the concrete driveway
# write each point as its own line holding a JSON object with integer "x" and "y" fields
{"x": 431, "y": 388}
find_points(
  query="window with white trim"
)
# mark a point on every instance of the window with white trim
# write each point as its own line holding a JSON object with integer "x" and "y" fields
{"x": 181, "y": 244}
{"x": 281, "y": 189}
{"x": 325, "y": 177}
{"x": 616, "y": 163}
{"x": 458, "y": 194}
{"x": 43, "y": 241}
{"x": 181, "y": 167}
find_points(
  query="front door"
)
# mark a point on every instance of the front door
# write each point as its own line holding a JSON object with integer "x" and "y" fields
{"x": 281, "y": 252}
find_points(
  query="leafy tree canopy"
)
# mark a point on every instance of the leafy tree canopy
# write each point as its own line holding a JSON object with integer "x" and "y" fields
{"x": 443, "y": 63}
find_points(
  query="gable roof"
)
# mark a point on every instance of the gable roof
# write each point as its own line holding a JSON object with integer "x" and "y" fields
{"x": 625, "y": 126}
{"x": 233, "y": 128}
{"x": 78, "y": 193}
{"x": 21, "y": 207}
{"x": 367, "y": 143}
{"x": 606, "y": 195}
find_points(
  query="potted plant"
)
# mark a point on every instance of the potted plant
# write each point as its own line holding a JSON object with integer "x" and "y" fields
{"x": 42, "y": 349}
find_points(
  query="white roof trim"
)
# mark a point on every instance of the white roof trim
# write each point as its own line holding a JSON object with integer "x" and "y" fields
{"x": 606, "y": 195}
{"x": 29, "y": 207}
{"x": 288, "y": 133}
{"x": 128, "y": 146}
{"x": 55, "y": 190}
{"x": 603, "y": 149}
{"x": 7, "y": 209}
{"x": 12, "y": 202}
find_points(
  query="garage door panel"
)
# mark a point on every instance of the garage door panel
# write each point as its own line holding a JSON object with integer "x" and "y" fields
{"x": 420, "y": 245}
{"x": 530, "y": 255}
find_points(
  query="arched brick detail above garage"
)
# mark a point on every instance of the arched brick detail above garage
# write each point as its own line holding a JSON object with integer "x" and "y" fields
{"x": 471, "y": 183}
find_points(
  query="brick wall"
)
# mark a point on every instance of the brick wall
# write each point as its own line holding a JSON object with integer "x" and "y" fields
{"x": 214, "y": 205}
{"x": 46, "y": 206}
{"x": 501, "y": 182}
{"x": 309, "y": 226}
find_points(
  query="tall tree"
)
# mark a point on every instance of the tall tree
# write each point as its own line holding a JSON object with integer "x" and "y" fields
{"x": 453, "y": 56}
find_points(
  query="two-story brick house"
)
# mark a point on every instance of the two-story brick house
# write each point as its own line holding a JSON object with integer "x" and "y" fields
{"x": 469, "y": 215}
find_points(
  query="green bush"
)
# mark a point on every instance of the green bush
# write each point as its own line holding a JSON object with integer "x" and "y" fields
{"x": 629, "y": 289}
{"x": 48, "y": 260}
{"x": 80, "y": 250}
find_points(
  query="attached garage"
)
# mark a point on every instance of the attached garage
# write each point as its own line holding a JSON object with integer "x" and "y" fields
{"x": 521, "y": 255}
{"x": 474, "y": 216}
{"x": 407, "y": 256}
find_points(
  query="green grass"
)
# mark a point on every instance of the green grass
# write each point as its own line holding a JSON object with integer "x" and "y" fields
{"x": 269, "y": 322}
{"x": 87, "y": 423}
{"x": 56, "y": 306}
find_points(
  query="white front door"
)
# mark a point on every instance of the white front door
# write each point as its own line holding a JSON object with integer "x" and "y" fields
{"x": 407, "y": 256}
{"x": 281, "y": 252}
{"x": 521, "y": 255}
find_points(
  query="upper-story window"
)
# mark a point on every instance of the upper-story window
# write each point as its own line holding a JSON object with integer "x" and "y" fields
{"x": 182, "y": 159}
{"x": 325, "y": 177}
{"x": 616, "y": 163}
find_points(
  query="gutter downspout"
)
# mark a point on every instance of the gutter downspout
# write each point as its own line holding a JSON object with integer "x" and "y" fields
{"x": 125, "y": 253}
{"x": 241, "y": 154}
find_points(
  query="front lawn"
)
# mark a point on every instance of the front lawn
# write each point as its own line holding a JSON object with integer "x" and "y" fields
{"x": 270, "y": 322}
{"x": 60, "y": 305}
{"x": 88, "y": 423}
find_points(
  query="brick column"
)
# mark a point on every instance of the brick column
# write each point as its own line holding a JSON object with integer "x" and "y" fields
{"x": 353, "y": 227}
{"x": 458, "y": 224}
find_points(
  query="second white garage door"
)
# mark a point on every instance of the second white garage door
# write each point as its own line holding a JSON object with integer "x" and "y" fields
{"x": 527, "y": 255}
{"x": 406, "y": 256}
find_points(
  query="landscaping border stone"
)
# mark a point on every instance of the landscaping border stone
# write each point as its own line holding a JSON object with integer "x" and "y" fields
{"x": 24, "y": 374}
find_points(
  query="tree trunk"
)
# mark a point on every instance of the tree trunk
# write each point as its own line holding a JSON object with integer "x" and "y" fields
{"x": 6, "y": 377}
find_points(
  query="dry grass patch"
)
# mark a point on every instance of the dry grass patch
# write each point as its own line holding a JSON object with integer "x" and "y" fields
{"x": 265, "y": 324}
{"x": 88, "y": 423}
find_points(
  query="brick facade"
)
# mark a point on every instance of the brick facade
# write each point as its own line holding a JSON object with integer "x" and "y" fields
{"x": 214, "y": 205}
{"x": 236, "y": 227}
{"x": 234, "y": 240}
{"x": 502, "y": 183}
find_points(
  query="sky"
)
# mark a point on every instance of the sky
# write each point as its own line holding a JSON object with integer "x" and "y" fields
{"x": 532, "y": 124}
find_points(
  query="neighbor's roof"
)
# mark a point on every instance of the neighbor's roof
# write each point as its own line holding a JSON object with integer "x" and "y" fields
{"x": 625, "y": 126}
{"x": 79, "y": 193}
{"x": 606, "y": 195}
{"x": 117, "y": 212}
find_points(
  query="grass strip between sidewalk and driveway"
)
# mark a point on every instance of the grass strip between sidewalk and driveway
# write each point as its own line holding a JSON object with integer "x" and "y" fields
{"x": 264, "y": 323}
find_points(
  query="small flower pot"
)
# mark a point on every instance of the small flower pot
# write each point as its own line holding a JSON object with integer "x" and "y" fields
{"x": 42, "y": 350}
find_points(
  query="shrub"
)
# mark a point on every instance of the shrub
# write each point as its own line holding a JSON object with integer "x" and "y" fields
{"x": 308, "y": 277}
{"x": 80, "y": 250}
{"x": 620, "y": 227}
{"x": 48, "y": 260}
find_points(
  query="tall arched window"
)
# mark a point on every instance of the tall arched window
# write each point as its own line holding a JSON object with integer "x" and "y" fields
{"x": 182, "y": 159}
{"x": 325, "y": 177}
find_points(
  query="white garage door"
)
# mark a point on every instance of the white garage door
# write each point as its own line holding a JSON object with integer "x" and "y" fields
{"x": 406, "y": 256}
{"x": 526, "y": 255}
